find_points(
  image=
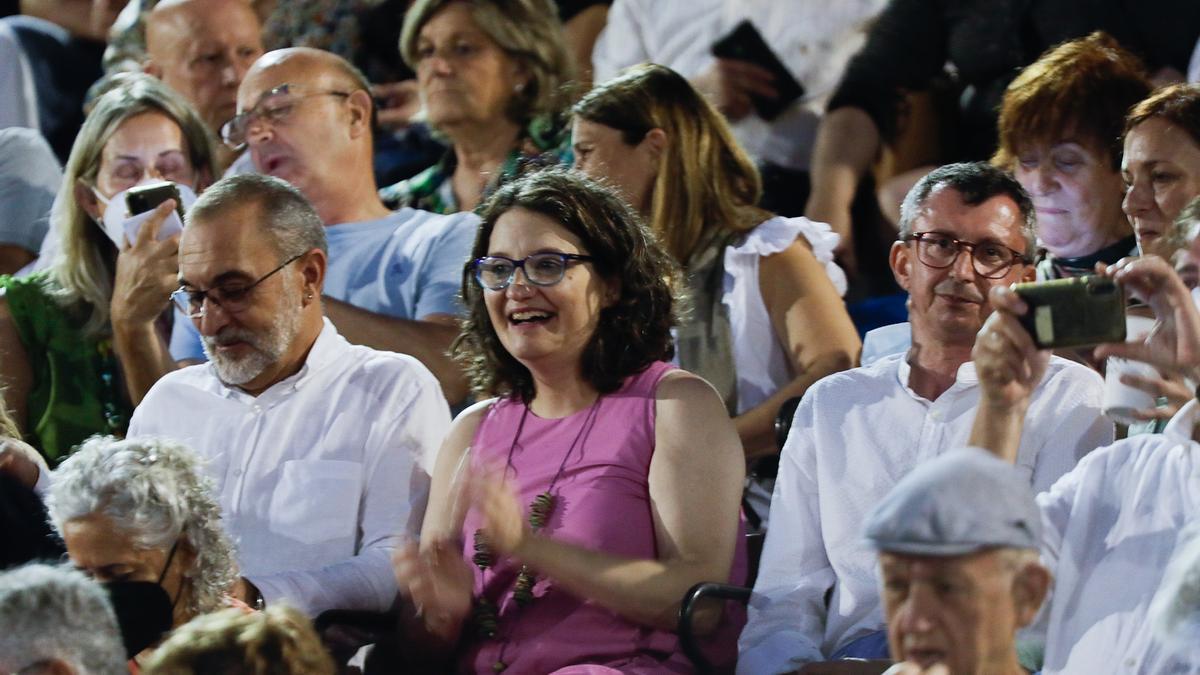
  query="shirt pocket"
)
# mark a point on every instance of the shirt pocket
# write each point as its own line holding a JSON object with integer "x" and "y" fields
{"x": 317, "y": 500}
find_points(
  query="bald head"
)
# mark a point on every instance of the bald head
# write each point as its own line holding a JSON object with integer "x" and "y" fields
{"x": 202, "y": 49}
{"x": 314, "y": 67}
{"x": 319, "y": 136}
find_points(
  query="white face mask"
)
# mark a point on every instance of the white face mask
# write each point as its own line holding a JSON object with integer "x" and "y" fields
{"x": 1196, "y": 296}
{"x": 119, "y": 226}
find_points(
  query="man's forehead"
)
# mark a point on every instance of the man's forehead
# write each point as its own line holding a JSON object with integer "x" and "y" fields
{"x": 946, "y": 210}
{"x": 193, "y": 19}
{"x": 225, "y": 241}
{"x": 299, "y": 69}
{"x": 928, "y": 565}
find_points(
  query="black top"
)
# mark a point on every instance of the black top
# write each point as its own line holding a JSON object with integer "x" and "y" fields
{"x": 567, "y": 9}
{"x": 987, "y": 42}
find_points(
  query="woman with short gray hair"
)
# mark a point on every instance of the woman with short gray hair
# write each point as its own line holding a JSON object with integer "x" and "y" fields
{"x": 141, "y": 510}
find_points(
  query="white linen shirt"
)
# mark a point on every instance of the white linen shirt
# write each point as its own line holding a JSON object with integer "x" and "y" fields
{"x": 320, "y": 476}
{"x": 1110, "y": 528}
{"x": 855, "y": 435}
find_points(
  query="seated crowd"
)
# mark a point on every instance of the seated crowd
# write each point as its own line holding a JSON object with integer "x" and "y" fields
{"x": 586, "y": 359}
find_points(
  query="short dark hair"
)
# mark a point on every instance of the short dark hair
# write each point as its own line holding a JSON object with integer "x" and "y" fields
{"x": 975, "y": 182}
{"x": 1178, "y": 104}
{"x": 286, "y": 216}
{"x": 634, "y": 332}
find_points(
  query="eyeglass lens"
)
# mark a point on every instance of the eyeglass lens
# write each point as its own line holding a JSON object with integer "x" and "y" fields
{"x": 543, "y": 269}
{"x": 989, "y": 259}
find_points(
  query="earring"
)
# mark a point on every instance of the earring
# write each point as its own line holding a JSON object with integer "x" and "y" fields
{"x": 519, "y": 87}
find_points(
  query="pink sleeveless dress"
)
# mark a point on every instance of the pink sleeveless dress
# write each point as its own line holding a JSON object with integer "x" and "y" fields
{"x": 602, "y": 502}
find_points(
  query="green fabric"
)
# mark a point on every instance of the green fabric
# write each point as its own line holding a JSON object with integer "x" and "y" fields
{"x": 75, "y": 391}
{"x": 430, "y": 190}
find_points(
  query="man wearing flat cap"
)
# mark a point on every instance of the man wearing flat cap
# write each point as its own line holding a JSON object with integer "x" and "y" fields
{"x": 959, "y": 575}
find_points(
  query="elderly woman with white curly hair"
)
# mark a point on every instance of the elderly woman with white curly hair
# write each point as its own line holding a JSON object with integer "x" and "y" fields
{"x": 141, "y": 510}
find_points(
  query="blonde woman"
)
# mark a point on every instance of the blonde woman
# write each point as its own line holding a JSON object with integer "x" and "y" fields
{"x": 82, "y": 340}
{"x": 767, "y": 316}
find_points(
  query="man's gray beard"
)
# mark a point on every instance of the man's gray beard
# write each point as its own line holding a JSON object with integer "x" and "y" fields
{"x": 266, "y": 349}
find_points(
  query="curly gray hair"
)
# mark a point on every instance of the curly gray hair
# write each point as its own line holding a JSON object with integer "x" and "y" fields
{"x": 152, "y": 489}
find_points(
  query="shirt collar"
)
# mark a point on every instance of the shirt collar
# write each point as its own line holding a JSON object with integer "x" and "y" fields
{"x": 965, "y": 376}
{"x": 1184, "y": 422}
{"x": 327, "y": 348}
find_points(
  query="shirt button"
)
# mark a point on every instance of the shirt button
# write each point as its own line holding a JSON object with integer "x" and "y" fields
{"x": 1130, "y": 662}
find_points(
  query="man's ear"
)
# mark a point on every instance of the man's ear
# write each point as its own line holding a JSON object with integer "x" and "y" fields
{"x": 312, "y": 268}
{"x": 360, "y": 105}
{"x": 900, "y": 258}
{"x": 1031, "y": 584}
{"x": 87, "y": 200}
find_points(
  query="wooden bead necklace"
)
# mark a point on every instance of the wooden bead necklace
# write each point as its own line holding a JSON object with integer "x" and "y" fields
{"x": 487, "y": 612}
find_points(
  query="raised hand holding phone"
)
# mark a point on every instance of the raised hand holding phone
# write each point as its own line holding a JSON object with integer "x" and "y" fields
{"x": 147, "y": 267}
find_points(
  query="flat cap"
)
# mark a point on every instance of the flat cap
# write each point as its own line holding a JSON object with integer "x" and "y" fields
{"x": 964, "y": 501}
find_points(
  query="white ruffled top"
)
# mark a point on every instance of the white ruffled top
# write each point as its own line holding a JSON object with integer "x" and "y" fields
{"x": 760, "y": 360}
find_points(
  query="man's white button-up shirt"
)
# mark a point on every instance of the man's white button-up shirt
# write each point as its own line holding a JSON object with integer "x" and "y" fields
{"x": 855, "y": 435}
{"x": 321, "y": 475}
{"x": 1110, "y": 527}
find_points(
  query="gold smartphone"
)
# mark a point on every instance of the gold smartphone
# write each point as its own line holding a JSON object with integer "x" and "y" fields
{"x": 1073, "y": 312}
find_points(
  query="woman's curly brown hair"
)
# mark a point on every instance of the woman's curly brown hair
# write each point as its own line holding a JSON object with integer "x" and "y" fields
{"x": 632, "y": 333}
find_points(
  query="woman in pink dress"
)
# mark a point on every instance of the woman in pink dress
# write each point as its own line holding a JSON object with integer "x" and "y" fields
{"x": 570, "y": 513}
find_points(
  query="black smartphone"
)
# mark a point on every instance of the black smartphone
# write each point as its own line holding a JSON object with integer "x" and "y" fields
{"x": 143, "y": 198}
{"x": 1073, "y": 312}
{"x": 745, "y": 43}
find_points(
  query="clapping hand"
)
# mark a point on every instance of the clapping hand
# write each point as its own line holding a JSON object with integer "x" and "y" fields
{"x": 504, "y": 525}
{"x": 438, "y": 582}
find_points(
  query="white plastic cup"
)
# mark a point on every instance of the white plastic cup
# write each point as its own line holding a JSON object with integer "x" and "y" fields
{"x": 1120, "y": 399}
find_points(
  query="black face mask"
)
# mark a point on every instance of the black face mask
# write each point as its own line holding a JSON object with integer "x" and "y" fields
{"x": 144, "y": 611}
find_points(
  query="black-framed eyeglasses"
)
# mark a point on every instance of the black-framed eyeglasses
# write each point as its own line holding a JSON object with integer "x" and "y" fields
{"x": 495, "y": 272}
{"x": 274, "y": 107}
{"x": 991, "y": 260}
{"x": 232, "y": 298}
